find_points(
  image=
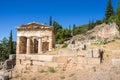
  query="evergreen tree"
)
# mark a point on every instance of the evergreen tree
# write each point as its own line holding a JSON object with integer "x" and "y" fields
{"x": 118, "y": 11}
{"x": 89, "y": 25}
{"x": 50, "y": 23}
{"x": 10, "y": 45}
{"x": 4, "y": 49}
{"x": 56, "y": 26}
{"x": 70, "y": 27}
{"x": 92, "y": 24}
{"x": 59, "y": 32}
{"x": 70, "y": 30}
{"x": 118, "y": 15}
{"x": 98, "y": 22}
{"x": 109, "y": 11}
{"x": 73, "y": 31}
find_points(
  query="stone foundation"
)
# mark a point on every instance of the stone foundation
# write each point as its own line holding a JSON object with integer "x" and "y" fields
{"x": 32, "y": 62}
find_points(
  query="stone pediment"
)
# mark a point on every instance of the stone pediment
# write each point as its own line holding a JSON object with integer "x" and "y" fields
{"x": 34, "y": 26}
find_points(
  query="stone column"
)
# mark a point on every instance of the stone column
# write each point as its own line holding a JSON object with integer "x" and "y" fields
{"x": 18, "y": 45}
{"x": 40, "y": 45}
{"x": 50, "y": 43}
{"x": 28, "y": 46}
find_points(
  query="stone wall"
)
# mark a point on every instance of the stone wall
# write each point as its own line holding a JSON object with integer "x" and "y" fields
{"x": 33, "y": 62}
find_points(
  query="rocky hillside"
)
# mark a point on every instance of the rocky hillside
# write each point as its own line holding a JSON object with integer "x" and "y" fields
{"x": 100, "y": 31}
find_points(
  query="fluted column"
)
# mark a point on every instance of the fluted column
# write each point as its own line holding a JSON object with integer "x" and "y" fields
{"x": 50, "y": 43}
{"x": 28, "y": 46}
{"x": 18, "y": 45}
{"x": 39, "y": 45}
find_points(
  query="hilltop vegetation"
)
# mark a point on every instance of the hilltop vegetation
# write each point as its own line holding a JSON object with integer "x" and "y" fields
{"x": 7, "y": 47}
{"x": 65, "y": 34}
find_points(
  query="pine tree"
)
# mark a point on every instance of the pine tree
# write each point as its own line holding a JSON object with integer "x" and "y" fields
{"x": 73, "y": 31}
{"x": 118, "y": 15}
{"x": 50, "y": 23}
{"x": 10, "y": 46}
{"x": 118, "y": 11}
{"x": 89, "y": 25}
{"x": 56, "y": 26}
{"x": 70, "y": 30}
{"x": 92, "y": 24}
{"x": 109, "y": 11}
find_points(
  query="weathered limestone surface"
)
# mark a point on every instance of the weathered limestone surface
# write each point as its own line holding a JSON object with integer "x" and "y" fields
{"x": 89, "y": 53}
{"x": 61, "y": 59}
{"x": 42, "y": 58}
{"x": 100, "y": 31}
{"x": 107, "y": 31}
{"x": 28, "y": 62}
{"x": 116, "y": 62}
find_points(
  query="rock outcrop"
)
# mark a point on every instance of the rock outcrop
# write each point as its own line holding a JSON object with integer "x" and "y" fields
{"x": 106, "y": 30}
{"x": 100, "y": 31}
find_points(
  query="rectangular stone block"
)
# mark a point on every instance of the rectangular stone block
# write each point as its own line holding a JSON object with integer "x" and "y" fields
{"x": 38, "y": 57}
{"x": 38, "y": 63}
{"x": 9, "y": 63}
{"x": 96, "y": 53}
{"x": 116, "y": 62}
{"x": 12, "y": 56}
{"x": 94, "y": 61}
{"x": 61, "y": 59}
{"x": 45, "y": 58}
{"x": 51, "y": 64}
{"x": 82, "y": 60}
{"x": 89, "y": 53}
{"x": 25, "y": 62}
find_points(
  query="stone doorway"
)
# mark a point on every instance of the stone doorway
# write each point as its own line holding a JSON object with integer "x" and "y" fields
{"x": 45, "y": 46}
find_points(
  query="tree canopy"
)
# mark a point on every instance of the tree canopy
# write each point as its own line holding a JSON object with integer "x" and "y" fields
{"x": 109, "y": 11}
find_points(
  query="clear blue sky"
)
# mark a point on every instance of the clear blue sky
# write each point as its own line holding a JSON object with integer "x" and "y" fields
{"x": 67, "y": 12}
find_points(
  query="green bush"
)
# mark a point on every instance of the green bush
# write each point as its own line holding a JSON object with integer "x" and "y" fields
{"x": 42, "y": 71}
{"x": 60, "y": 41}
{"x": 71, "y": 74}
{"x": 51, "y": 69}
{"x": 102, "y": 42}
{"x": 62, "y": 77}
{"x": 94, "y": 69}
{"x": 23, "y": 79}
{"x": 65, "y": 45}
{"x": 93, "y": 37}
{"x": 34, "y": 78}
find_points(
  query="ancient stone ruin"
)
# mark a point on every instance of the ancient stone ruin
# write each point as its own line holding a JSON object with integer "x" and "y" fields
{"x": 34, "y": 39}
{"x": 6, "y": 67}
